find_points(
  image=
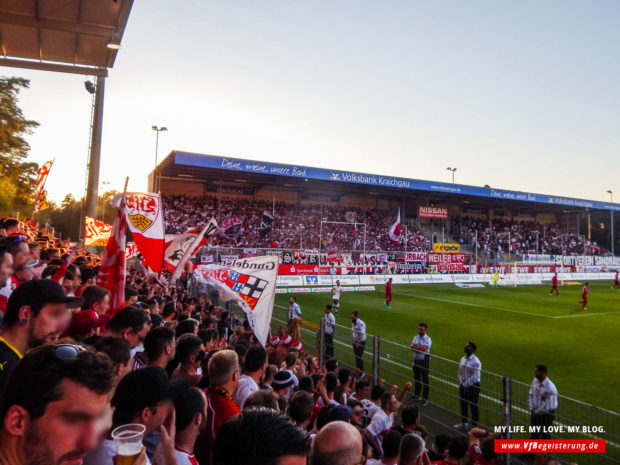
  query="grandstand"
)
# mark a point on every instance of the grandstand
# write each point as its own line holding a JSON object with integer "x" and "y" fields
{"x": 333, "y": 210}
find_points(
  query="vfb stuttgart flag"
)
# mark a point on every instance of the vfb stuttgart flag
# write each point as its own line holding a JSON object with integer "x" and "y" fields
{"x": 251, "y": 282}
{"x": 97, "y": 232}
{"x": 145, "y": 219}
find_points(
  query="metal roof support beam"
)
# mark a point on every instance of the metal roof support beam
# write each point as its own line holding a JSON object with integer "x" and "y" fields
{"x": 44, "y": 66}
{"x": 109, "y": 32}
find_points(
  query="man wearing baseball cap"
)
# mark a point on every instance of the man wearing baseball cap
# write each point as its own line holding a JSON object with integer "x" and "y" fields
{"x": 144, "y": 397}
{"x": 37, "y": 312}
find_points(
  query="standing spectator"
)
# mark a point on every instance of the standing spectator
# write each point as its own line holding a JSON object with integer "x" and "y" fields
{"x": 260, "y": 436}
{"x": 338, "y": 443}
{"x": 37, "y": 312}
{"x": 189, "y": 354}
{"x": 77, "y": 381}
{"x": 336, "y": 291}
{"x": 131, "y": 296}
{"x": 410, "y": 418}
{"x": 543, "y": 400}
{"x": 469, "y": 385}
{"x": 482, "y": 453}
{"x": 388, "y": 293}
{"x": 223, "y": 372}
{"x": 383, "y": 420}
{"x": 294, "y": 318}
{"x": 131, "y": 324}
{"x": 160, "y": 347}
{"x": 381, "y": 423}
{"x": 411, "y": 449}
{"x": 119, "y": 352}
{"x": 330, "y": 322}
{"x": 143, "y": 397}
{"x": 391, "y": 447}
{"x": 300, "y": 408}
{"x": 439, "y": 450}
{"x": 255, "y": 365}
{"x": 456, "y": 451}
{"x": 191, "y": 414}
{"x": 96, "y": 298}
{"x": 421, "y": 345}
{"x": 359, "y": 340}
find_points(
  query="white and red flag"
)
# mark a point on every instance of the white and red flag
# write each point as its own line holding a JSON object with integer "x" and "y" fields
{"x": 251, "y": 282}
{"x": 43, "y": 172}
{"x": 145, "y": 218}
{"x": 180, "y": 246}
{"x": 112, "y": 270}
{"x": 96, "y": 232}
{"x": 394, "y": 232}
{"x": 131, "y": 250}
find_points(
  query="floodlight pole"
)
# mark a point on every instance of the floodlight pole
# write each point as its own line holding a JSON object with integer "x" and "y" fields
{"x": 611, "y": 230}
{"x": 94, "y": 161}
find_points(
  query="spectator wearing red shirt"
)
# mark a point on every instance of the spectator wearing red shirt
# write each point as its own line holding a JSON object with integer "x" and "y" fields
{"x": 482, "y": 453}
{"x": 223, "y": 372}
{"x": 456, "y": 452}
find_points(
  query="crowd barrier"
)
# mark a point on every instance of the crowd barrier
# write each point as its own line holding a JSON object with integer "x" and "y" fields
{"x": 503, "y": 401}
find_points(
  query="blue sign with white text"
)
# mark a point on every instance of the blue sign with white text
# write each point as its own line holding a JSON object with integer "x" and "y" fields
{"x": 304, "y": 172}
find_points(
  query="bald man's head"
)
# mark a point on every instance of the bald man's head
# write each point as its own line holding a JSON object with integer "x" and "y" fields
{"x": 338, "y": 443}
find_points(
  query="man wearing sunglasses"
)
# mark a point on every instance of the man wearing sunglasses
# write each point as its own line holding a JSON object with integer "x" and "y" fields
{"x": 37, "y": 312}
{"x": 52, "y": 405}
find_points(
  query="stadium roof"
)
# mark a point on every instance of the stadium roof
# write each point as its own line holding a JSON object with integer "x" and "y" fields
{"x": 71, "y": 36}
{"x": 197, "y": 167}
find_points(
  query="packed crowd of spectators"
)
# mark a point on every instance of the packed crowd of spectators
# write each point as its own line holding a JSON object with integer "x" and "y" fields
{"x": 186, "y": 374}
{"x": 519, "y": 237}
{"x": 295, "y": 226}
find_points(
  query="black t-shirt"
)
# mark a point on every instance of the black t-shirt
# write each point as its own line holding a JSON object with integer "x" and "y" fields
{"x": 8, "y": 360}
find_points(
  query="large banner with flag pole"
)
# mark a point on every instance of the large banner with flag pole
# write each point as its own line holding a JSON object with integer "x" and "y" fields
{"x": 251, "y": 282}
{"x": 112, "y": 270}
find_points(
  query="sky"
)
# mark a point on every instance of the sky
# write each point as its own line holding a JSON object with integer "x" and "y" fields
{"x": 520, "y": 95}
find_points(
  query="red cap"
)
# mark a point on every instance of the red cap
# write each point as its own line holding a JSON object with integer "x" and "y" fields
{"x": 275, "y": 340}
{"x": 286, "y": 339}
{"x": 83, "y": 322}
{"x": 297, "y": 346}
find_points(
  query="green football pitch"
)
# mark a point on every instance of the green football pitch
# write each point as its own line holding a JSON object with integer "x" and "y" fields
{"x": 515, "y": 328}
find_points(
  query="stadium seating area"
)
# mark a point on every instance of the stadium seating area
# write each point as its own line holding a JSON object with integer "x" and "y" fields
{"x": 295, "y": 226}
{"x": 299, "y": 227}
{"x": 519, "y": 237}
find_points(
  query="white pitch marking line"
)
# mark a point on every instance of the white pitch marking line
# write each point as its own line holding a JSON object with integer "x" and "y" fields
{"x": 477, "y": 305}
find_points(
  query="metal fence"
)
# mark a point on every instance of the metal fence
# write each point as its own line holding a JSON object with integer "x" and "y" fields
{"x": 502, "y": 400}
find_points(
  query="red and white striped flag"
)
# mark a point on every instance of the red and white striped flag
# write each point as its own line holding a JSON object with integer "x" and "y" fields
{"x": 43, "y": 172}
{"x": 394, "y": 231}
{"x": 112, "y": 271}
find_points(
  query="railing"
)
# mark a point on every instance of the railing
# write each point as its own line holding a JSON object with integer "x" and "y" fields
{"x": 502, "y": 400}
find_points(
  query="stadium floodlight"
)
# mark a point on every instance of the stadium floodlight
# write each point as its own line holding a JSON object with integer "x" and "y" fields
{"x": 157, "y": 130}
{"x": 611, "y": 228}
{"x": 90, "y": 87}
{"x": 452, "y": 170}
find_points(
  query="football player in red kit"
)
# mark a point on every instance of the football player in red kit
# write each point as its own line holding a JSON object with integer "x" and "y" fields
{"x": 388, "y": 293}
{"x": 584, "y": 296}
{"x": 616, "y": 282}
{"x": 554, "y": 284}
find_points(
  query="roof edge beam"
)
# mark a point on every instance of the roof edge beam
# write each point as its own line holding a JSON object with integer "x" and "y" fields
{"x": 109, "y": 32}
{"x": 42, "y": 66}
